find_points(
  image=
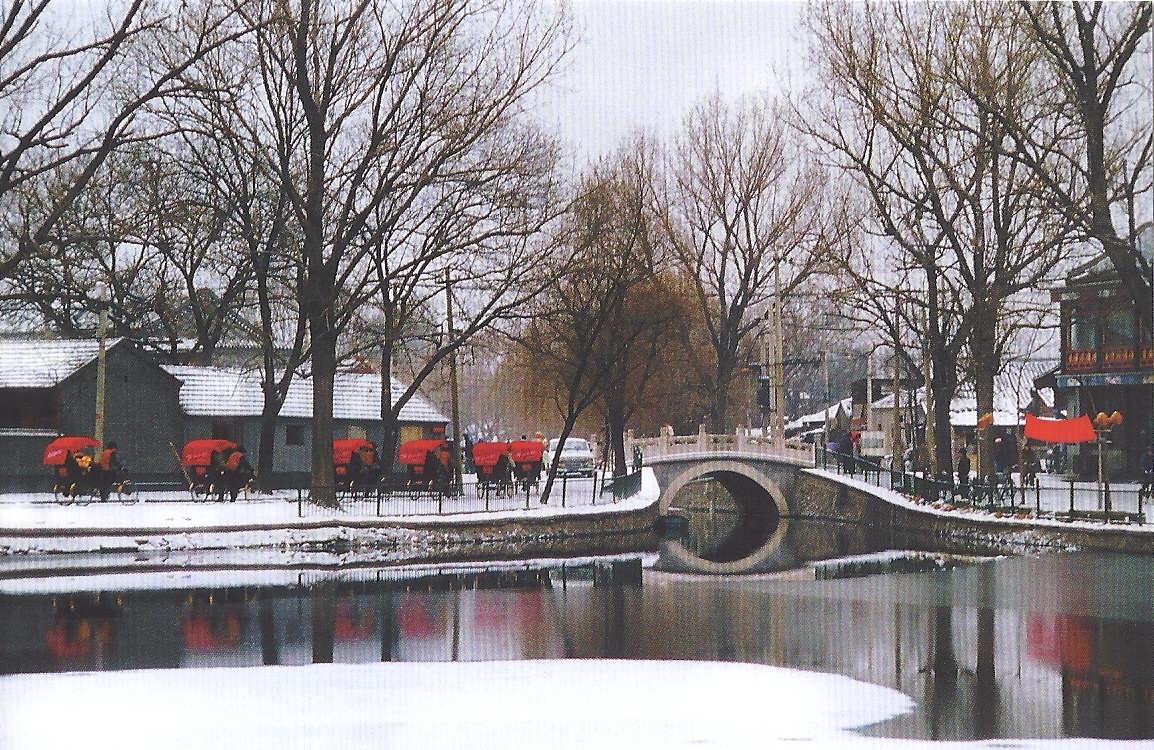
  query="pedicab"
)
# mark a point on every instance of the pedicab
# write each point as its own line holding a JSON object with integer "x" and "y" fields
{"x": 494, "y": 468}
{"x": 71, "y": 458}
{"x": 202, "y": 464}
{"x": 355, "y": 464}
{"x": 426, "y": 461}
{"x": 527, "y": 462}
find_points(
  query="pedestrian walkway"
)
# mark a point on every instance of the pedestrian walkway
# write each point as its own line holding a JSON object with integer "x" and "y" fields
{"x": 1053, "y": 495}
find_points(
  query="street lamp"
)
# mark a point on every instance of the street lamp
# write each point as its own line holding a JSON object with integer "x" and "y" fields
{"x": 102, "y": 299}
{"x": 1103, "y": 423}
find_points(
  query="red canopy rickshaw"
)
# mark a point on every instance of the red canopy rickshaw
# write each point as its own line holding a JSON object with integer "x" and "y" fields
{"x": 196, "y": 462}
{"x": 494, "y": 466}
{"x": 527, "y": 461}
{"x": 68, "y": 475}
{"x": 427, "y": 460}
{"x": 352, "y": 473}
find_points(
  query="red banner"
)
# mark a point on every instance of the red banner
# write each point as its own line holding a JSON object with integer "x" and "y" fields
{"x": 1077, "y": 430}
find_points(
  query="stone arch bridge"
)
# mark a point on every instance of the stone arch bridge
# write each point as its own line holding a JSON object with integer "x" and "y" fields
{"x": 761, "y": 478}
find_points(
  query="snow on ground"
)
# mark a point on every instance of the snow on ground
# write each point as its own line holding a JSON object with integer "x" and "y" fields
{"x": 30, "y": 524}
{"x": 34, "y": 511}
{"x": 525, "y": 704}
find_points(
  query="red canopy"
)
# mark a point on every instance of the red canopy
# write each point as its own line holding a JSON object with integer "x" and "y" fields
{"x": 1077, "y": 430}
{"x": 527, "y": 451}
{"x": 343, "y": 449}
{"x": 413, "y": 452}
{"x": 58, "y": 449}
{"x": 487, "y": 454}
{"x": 199, "y": 452}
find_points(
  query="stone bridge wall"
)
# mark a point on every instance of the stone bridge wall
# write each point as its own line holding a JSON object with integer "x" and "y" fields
{"x": 813, "y": 494}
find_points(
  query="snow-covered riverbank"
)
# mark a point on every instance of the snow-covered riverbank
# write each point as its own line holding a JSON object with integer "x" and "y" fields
{"x": 28, "y": 525}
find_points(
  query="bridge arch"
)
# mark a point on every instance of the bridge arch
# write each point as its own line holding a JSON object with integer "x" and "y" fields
{"x": 763, "y": 544}
{"x": 724, "y": 471}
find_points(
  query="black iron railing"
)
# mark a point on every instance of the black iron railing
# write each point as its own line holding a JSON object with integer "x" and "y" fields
{"x": 1033, "y": 496}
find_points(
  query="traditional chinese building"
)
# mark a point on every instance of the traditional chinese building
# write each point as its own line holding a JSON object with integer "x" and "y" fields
{"x": 1107, "y": 362}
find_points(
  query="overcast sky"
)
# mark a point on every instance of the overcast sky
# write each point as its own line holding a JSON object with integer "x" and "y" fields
{"x": 644, "y": 63}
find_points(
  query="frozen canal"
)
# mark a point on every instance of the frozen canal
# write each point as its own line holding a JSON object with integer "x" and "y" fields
{"x": 1045, "y": 647}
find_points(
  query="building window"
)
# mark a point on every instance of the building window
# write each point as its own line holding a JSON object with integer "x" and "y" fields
{"x": 1084, "y": 333}
{"x": 1118, "y": 328}
{"x": 294, "y": 434}
{"x": 357, "y": 433}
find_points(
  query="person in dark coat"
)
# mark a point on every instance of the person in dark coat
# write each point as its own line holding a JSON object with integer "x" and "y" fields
{"x": 108, "y": 470}
{"x": 432, "y": 472}
{"x": 964, "y": 473}
{"x": 237, "y": 472}
{"x": 354, "y": 468}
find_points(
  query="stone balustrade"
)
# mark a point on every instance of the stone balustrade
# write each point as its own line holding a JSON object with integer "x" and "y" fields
{"x": 739, "y": 442}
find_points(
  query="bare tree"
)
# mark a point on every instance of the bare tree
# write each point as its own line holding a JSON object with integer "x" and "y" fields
{"x": 586, "y": 329}
{"x": 962, "y": 234}
{"x": 742, "y": 206}
{"x": 482, "y": 227}
{"x": 364, "y": 105}
{"x": 1099, "y": 171}
{"x": 68, "y": 102}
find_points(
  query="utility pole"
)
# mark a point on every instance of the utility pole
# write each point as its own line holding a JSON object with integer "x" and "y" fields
{"x": 456, "y": 456}
{"x": 766, "y": 409}
{"x": 778, "y": 361}
{"x": 825, "y": 401}
{"x": 869, "y": 404}
{"x": 101, "y": 365}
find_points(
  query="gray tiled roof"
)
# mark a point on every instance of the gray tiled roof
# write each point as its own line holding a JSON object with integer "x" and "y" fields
{"x": 43, "y": 363}
{"x": 221, "y": 392}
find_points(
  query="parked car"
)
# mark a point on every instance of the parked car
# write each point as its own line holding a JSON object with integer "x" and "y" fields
{"x": 576, "y": 457}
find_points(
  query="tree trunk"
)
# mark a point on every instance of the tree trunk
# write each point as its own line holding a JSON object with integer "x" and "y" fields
{"x": 324, "y": 365}
{"x": 615, "y": 420}
{"x": 985, "y": 370}
{"x": 264, "y": 460}
{"x": 945, "y": 386}
{"x": 389, "y": 421}
{"x": 719, "y": 410}
{"x": 570, "y": 421}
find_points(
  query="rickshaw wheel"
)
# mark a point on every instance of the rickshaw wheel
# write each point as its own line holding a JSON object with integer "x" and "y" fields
{"x": 61, "y": 496}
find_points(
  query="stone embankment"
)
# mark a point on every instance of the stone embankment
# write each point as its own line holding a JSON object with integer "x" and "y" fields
{"x": 894, "y": 521}
{"x": 541, "y": 532}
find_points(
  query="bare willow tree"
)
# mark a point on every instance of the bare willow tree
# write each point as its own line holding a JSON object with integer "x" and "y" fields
{"x": 364, "y": 106}
{"x": 69, "y": 100}
{"x": 959, "y": 236}
{"x": 588, "y": 327}
{"x": 743, "y": 209}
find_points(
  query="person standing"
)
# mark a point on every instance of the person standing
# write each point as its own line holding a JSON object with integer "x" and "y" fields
{"x": 964, "y": 473}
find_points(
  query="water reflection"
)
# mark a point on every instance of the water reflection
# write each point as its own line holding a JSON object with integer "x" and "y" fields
{"x": 1043, "y": 647}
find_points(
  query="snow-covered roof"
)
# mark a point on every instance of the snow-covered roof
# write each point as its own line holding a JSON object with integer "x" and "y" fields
{"x": 820, "y": 417}
{"x": 1013, "y": 386}
{"x": 220, "y": 392}
{"x": 44, "y": 363}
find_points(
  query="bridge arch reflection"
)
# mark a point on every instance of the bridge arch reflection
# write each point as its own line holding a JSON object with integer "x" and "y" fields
{"x": 736, "y": 520}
